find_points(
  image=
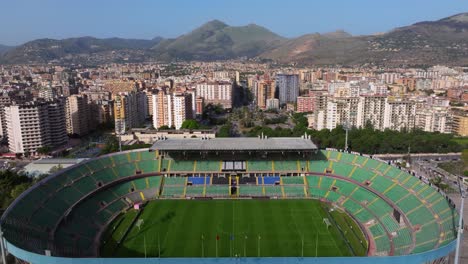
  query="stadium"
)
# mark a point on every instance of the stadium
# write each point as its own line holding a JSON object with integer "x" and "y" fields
{"x": 230, "y": 200}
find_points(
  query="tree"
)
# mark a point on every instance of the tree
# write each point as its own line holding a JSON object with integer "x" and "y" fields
{"x": 9, "y": 181}
{"x": 190, "y": 124}
{"x": 55, "y": 169}
{"x": 43, "y": 150}
{"x": 224, "y": 131}
{"x": 19, "y": 189}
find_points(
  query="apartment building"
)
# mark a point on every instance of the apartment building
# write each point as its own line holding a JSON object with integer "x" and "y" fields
{"x": 77, "y": 113}
{"x": 34, "y": 125}
{"x": 216, "y": 93}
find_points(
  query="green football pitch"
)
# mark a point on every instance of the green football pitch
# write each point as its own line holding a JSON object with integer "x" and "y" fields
{"x": 224, "y": 228}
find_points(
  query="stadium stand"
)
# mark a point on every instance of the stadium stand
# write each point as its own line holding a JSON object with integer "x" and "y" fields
{"x": 68, "y": 209}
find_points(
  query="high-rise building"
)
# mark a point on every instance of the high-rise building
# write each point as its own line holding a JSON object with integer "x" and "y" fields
{"x": 199, "y": 106}
{"x": 77, "y": 115}
{"x": 376, "y": 110}
{"x": 287, "y": 86}
{"x": 171, "y": 109}
{"x": 305, "y": 104}
{"x": 272, "y": 103}
{"x": 7, "y": 98}
{"x": 216, "y": 93}
{"x": 400, "y": 114}
{"x": 182, "y": 109}
{"x": 371, "y": 109}
{"x": 265, "y": 91}
{"x": 34, "y": 125}
{"x": 460, "y": 121}
{"x": 129, "y": 110}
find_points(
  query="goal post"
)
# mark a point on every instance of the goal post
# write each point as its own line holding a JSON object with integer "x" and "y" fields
{"x": 139, "y": 223}
{"x": 326, "y": 221}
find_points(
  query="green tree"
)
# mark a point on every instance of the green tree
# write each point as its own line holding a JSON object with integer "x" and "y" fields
{"x": 190, "y": 124}
{"x": 19, "y": 189}
{"x": 224, "y": 131}
{"x": 43, "y": 150}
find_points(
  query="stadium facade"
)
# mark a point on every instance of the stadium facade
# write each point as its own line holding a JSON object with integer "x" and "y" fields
{"x": 62, "y": 218}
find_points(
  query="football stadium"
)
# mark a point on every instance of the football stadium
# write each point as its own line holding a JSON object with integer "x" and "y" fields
{"x": 232, "y": 200}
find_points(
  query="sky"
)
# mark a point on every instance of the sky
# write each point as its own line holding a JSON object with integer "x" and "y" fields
{"x": 25, "y": 20}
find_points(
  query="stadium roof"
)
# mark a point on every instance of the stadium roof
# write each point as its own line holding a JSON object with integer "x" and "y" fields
{"x": 233, "y": 144}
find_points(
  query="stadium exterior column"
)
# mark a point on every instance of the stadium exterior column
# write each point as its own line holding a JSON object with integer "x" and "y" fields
{"x": 2, "y": 247}
{"x": 460, "y": 228}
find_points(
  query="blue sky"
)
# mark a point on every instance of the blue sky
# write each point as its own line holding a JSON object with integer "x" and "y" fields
{"x": 24, "y": 20}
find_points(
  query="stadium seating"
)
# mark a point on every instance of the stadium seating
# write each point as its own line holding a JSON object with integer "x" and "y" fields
{"x": 293, "y": 191}
{"x": 250, "y": 190}
{"x": 207, "y": 166}
{"x": 283, "y": 165}
{"x": 269, "y": 180}
{"x": 273, "y": 190}
{"x": 366, "y": 188}
{"x": 217, "y": 190}
{"x": 259, "y": 165}
{"x": 292, "y": 180}
{"x": 197, "y": 180}
{"x": 195, "y": 190}
{"x": 182, "y": 165}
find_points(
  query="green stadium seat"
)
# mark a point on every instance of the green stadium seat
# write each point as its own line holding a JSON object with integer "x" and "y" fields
{"x": 208, "y": 166}
{"x": 293, "y": 191}
{"x": 250, "y": 190}
{"x": 259, "y": 165}
{"x": 175, "y": 181}
{"x": 182, "y": 165}
{"x": 194, "y": 190}
{"x": 273, "y": 190}
{"x": 217, "y": 190}
{"x": 284, "y": 165}
{"x": 293, "y": 180}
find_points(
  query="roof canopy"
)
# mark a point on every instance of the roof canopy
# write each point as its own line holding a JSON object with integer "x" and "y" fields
{"x": 235, "y": 144}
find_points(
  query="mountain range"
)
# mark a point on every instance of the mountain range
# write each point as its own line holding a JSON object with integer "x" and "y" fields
{"x": 444, "y": 41}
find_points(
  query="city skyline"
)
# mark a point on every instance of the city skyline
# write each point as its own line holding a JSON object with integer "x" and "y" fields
{"x": 142, "y": 20}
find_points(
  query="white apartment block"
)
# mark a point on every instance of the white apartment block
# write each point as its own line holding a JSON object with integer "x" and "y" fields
{"x": 34, "y": 125}
{"x": 358, "y": 111}
{"x": 434, "y": 119}
{"x": 400, "y": 114}
{"x": 216, "y": 93}
{"x": 171, "y": 109}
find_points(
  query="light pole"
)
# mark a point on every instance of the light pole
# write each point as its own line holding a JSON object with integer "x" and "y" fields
{"x": 347, "y": 127}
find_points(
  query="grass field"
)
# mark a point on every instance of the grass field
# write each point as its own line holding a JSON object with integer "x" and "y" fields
{"x": 266, "y": 228}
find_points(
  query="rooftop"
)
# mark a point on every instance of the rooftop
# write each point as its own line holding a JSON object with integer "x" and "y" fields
{"x": 225, "y": 144}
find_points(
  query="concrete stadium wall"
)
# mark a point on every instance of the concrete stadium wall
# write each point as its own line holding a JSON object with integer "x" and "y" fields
{"x": 414, "y": 258}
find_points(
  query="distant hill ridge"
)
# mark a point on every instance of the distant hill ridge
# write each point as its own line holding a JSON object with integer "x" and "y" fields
{"x": 444, "y": 41}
